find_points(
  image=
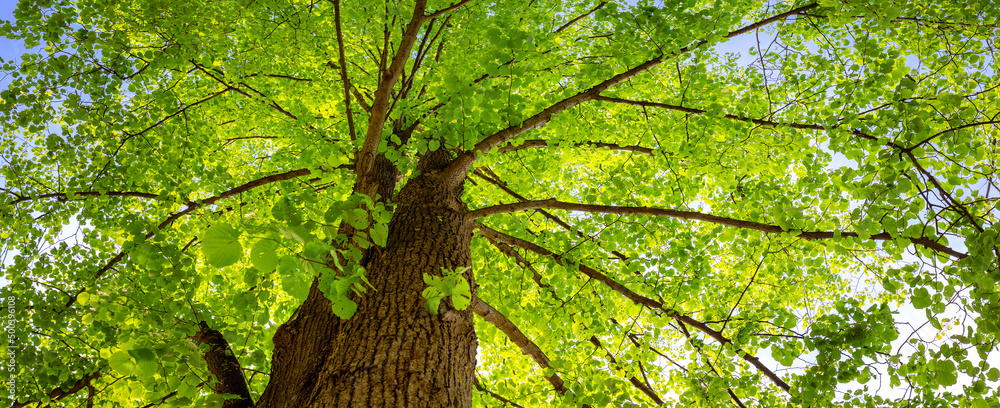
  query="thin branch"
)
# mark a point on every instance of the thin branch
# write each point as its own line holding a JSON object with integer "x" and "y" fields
{"x": 494, "y": 179}
{"x": 233, "y": 139}
{"x": 635, "y": 381}
{"x": 64, "y": 196}
{"x": 744, "y": 292}
{"x": 520, "y": 260}
{"x": 708, "y": 362}
{"x": 537, "y": 277}
{"x": 455, "y": 172}
{"x": 288, "y": 77}
{"x": 635, "y": 297}
{"x": 694, "y": 215}
{"x": 343, "y": 70}
{"x": 581, "y": 17}
{"x": 446, "y": 9}
{"x": 907, "y": 151}
{"x": 162, "y": 400}
{"x": 129, "y": 136}
{"x": 685, "y": 109}
{"x": 194, "y": 206}
{"x": 946, "y": 131}
{"x": 958, "y": 206}
{"x": 235, "y": 87}
{"x": 479, "y": 386}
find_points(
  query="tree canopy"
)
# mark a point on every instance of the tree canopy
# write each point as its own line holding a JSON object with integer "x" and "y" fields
{"x": 681, "y": 203}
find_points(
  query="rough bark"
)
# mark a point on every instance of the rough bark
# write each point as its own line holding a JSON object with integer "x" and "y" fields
{"x": 392, "y": 352}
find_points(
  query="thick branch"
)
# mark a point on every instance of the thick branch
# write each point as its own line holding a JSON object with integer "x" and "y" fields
{"x": 528, "y": 347}
{"x": 693, "y": 215}
{"x": 58, "y": 393}
{"x": 635, "y": 297}
{"x": 456, "y": 171}
{"x": 503, "y": 186}
{"x": 380, "y": 104}
{"x": 536, "y": 143}
{"x": 223, "y": 364}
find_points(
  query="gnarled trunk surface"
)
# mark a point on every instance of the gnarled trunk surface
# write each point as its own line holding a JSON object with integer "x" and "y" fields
{"x": 392, "y": 352}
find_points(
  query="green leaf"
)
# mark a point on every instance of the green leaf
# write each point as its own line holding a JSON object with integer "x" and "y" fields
{"x": 993, "y": 374}
{"x": 295, "y": 286}
{"x": 358, "y": 218}
{"x": 451, "y": 284}
{"x": 295, "y": 233}
{"x": 432, "y": 300}
{"x": 264, "y": 256}
{"x": 143, "y": 355}
{"x": 221, "y": 245}
{"x": 461, "y": 295}
{"x": 921, "y": 298}
{"x": 945, "y": 373}
{"x": 344, "y": 307}
{"x": 284, "y": 210}
{"x": 379, "y": 234}
{"x": 122, "y": 362}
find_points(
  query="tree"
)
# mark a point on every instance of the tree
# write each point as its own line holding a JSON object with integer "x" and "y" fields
{"x": 301, "y": 204}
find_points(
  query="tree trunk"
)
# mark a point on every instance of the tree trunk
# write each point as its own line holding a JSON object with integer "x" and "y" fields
{"x": 392, "y": 352}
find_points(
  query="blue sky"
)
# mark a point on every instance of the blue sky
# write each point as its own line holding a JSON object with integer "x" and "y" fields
{"x": 9, "y": 49}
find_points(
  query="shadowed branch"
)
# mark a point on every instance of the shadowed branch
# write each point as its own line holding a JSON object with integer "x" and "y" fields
{"x": 223, "y": 364}
{"x": 60, "y": 393}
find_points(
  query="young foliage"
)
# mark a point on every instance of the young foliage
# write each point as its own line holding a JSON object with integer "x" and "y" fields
{"x": 451, "y": 284}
